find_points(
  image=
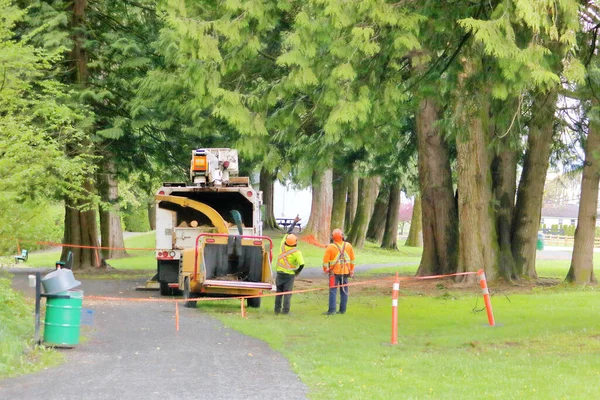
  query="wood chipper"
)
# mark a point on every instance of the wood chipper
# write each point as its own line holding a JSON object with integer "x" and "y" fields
{"x": 185, "y": 210}
{"x": 227, "y": 265}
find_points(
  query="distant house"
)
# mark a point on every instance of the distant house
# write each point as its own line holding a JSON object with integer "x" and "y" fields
{"x": 563, "y": 215}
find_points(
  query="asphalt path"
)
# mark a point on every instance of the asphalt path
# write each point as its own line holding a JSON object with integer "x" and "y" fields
{"x": 134, "y": 352}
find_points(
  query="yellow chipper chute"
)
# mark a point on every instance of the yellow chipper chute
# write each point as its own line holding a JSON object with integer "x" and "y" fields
{"x": 215, "y": 218}
{"x": 227, "y": 265}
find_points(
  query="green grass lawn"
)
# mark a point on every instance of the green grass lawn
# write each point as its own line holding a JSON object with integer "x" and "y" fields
{"x": 546, "y": 345}
{"x": 371, "y": 254}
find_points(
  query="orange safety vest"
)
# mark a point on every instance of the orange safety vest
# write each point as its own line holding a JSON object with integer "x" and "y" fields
{"x": 282, "y": 262}
{"x": 341, "y": 265}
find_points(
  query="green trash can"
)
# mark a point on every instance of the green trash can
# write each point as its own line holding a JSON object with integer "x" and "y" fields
{"x": 540, "y": 241}
{"x": 63, "y": 318}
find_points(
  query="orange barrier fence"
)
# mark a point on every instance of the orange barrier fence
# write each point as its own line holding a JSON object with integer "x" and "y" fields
{"x": 395, "y": 293}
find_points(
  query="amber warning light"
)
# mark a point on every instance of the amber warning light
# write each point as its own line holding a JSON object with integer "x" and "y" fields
{"x": 199, "y": 163}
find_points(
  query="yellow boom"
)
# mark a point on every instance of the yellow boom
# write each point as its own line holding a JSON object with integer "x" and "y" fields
{"x": 210, "y": 212}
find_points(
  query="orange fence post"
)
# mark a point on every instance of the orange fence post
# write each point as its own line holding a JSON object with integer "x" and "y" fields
{"x": 395, "y": 290}
{"x": 242, "y": 307}
{"x": 18, "y": 248}
{"x": 486, "y": 296}
{"x": 97, "y": 258}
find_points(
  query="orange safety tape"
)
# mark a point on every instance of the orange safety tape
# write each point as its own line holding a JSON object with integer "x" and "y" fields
{"x": 141, "y": 300}
{"x": 94, "y": 247}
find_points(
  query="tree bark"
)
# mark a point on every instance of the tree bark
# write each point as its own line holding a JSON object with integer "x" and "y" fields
{"x": 582, "y": 262}
{"x": 319, "y": 223}
{"x": 437, "y": 210}
{"x": 352, "y": 202}
{"x": 111, "y": 231}
{"x": 377, "y": 222}
{"x": 368, "y": 189}
{"x": 390, "y": 235}
{"x": 530, "y": 194}
{"x": 151, "y": 206}
{"x": 415, "y": 236}
{"x": 504, "y": 177}
{"x": 340, "y": 196}
{"x": 477, "y": 248}
{"x": 267, "y": 180}
{"x": 80, "y": 218}
{"x": 80, "y": 235}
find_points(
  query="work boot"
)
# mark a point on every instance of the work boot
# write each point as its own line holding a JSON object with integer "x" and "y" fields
{"x": 329, "y": 313}
{"x": 340, "y": 312}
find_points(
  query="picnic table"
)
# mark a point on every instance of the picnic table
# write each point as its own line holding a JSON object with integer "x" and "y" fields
{"x": 285, "y": 222}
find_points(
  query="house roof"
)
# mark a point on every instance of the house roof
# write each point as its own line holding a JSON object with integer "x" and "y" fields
{"x": 563, "y": 211}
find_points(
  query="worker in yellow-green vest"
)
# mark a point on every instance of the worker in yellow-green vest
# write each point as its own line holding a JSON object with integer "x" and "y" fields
{"x": 289, "y": 264}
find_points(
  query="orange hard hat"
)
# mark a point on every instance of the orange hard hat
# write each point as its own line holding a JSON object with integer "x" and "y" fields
{"x": 337, "y": 235}
{"x": 291, "y": 240}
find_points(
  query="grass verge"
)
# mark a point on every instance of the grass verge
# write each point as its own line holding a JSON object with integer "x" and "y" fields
{"x": 18, "y": 354}
{"x": 546, "y": 344}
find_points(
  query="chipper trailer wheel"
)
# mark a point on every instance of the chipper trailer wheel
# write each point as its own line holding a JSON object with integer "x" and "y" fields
{"x": 253, "y": 302}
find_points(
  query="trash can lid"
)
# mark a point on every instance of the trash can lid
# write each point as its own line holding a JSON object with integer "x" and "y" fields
{"x": 58, "y": 281}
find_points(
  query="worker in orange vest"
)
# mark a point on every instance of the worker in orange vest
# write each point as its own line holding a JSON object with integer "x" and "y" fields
{"x": 338, "y": 262}
{"x": 289, "y": 264}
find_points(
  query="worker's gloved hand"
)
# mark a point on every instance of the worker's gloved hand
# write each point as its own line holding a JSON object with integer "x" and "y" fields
{"x": 297, "y": 219}
{"x": 352, "y": 274}
{"x": 297, "y": 272}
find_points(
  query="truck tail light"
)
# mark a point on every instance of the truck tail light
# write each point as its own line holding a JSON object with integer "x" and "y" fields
{"x": 249, "y": 193}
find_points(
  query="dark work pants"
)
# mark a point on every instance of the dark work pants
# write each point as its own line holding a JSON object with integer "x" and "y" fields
{"x": 284, "y": 283}
{"x": 344, "y": 291}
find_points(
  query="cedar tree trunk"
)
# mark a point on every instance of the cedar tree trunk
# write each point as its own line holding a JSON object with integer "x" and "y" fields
{"x": 319, "y": 223}
{"x": 368, "y": 189}
{"x": 151, "y": 206}
{"x": 504, "y": 177}
{"x": 582, "y": 261}
{"x": 390, "y": 235}
{"x": 528, "y": 210}
{"x": 477, "y": 229}
{"x": 81, "y": 233}
{"x": 111, "y": 231}
{"x": 352, "y": 202}
{"x": 340, "y": 195}
{"x": 415, "y": 238}
{"x": 435, "y": 207}
{"x": 267, "y": 180}
{"x": 377, "y": 223}
{"x": 80, "y": 218}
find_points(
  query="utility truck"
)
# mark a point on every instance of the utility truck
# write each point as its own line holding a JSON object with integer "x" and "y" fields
{"x": 209, "y": 232}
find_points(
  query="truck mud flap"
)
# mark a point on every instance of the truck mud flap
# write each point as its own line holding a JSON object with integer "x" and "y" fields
{"x": 237, "y": 284}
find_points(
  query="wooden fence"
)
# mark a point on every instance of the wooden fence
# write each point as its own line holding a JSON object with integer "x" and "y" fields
{"x": 563, "y": 240}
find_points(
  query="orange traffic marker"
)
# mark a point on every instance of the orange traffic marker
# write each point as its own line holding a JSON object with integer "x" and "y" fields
{"x": 486, "y": 297}
{"x": 395, "y": 290}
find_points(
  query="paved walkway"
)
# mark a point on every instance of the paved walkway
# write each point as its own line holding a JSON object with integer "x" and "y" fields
{"x": 134, "y": 352}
